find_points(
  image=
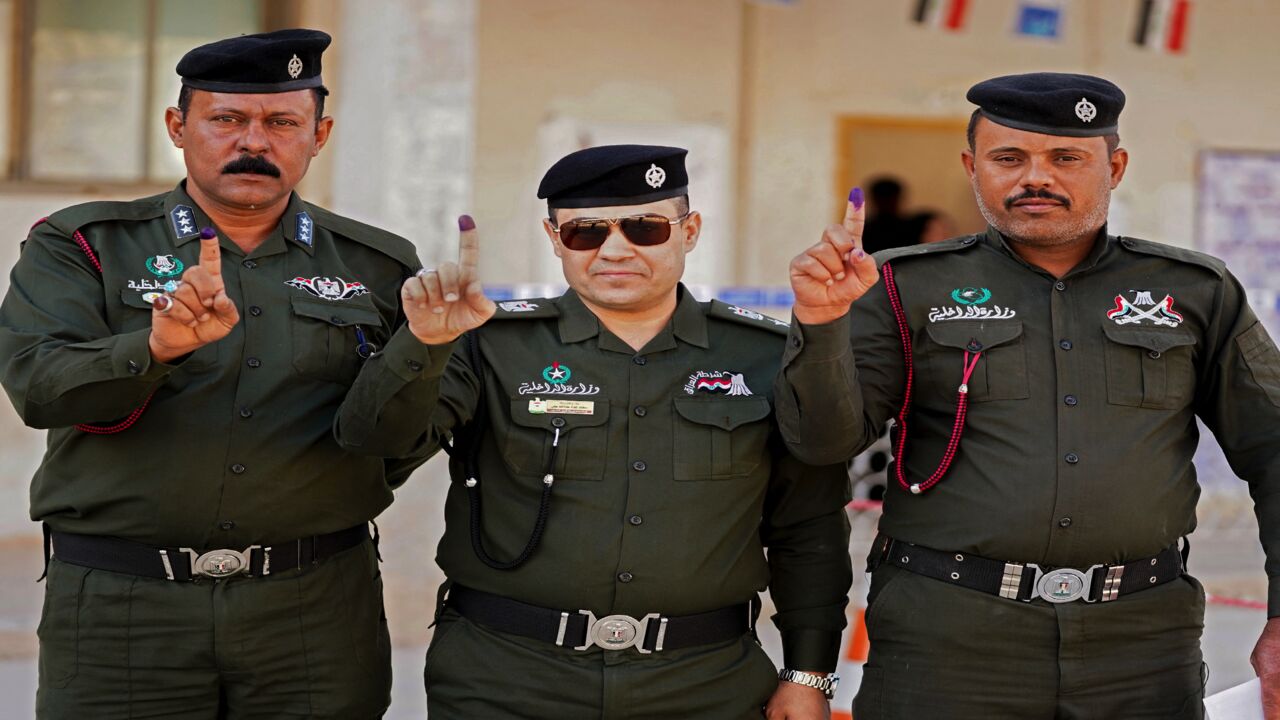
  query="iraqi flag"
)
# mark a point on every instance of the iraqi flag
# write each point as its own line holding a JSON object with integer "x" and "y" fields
{"x": 1162, "y": 24}
{"x": 948, "y": 14}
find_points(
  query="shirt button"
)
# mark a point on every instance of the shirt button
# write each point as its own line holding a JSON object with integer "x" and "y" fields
{"x": 557, "y": 422}
{"x": 253, "y": 362}
{"x": 641, "y": 411}
{"x": 1059, "y": 285}
{"x": 249, "y": 264}
{"x": 974, "y": 346}
{"x": 1071, "y": 400}
{"x": 639, "y": 360}
{"x": 1072, "y": 458}
{"x": 1064, "y": 522}
{"x": 246, "y": 412}
{"x": 227, "y": 525}
{"x": 334, "y": 319}
{"x": 635, "y": 520}
{"x": 238, "y": 469}
{"x": 625, "y": 577}
{"x": 1064, "y": 344}
{"x": 796, "y": 342}
{"x": 1154, "y": 354}
{"x": 415, "y": 366}
{"x": 639, "y": 466}
{"x": 134, "y": 368}
{"x": 254, "y": 310}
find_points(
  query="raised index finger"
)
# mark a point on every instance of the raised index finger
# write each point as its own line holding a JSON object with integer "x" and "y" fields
{"x": 855, "y": 215}
{"x": 468, "y": 246}
{"x": 210, "y": 253}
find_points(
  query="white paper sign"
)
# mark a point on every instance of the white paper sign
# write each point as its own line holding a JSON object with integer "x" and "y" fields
{"x": 1242, "y": 702}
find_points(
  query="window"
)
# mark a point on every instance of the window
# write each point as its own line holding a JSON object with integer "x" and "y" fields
{"x": 97, "y": 78}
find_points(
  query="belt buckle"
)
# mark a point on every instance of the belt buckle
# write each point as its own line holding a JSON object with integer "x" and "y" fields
{"x": 221, "y": 563}
{"x": 613, "y": 632}
{"x": 1064, "y": 585}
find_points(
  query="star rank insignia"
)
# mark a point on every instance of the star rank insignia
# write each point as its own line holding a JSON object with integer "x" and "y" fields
{"x": 184, "y": 221}
{"x": 303, "y": 228}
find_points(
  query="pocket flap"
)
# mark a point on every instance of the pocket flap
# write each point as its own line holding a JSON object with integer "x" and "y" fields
{"x": 722, "y": 412}
{"x": 135, "y": 299}
{"x": 571, "y": 411}
{"x": 341, "y": 314}
{"x": 1149, "y": 338}
{"x": 987, "y": 334}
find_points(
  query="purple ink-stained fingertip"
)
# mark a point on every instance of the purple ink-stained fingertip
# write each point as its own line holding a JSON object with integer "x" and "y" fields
{"x": 208, "y": 233}
{"x": 465, "y": 223}
{"x": 855, "y": 197}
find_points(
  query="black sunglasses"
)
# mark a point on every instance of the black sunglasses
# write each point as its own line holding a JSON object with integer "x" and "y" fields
{"x": 590, "y": 233}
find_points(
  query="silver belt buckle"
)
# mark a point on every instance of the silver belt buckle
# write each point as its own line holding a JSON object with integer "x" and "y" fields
{"x": 1064, "y": 585}
{"x": 615, "y": 632}
{"x": 222, "y": 563}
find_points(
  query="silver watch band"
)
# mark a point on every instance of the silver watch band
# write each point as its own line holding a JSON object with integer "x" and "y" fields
{"x": 827, "y": 685}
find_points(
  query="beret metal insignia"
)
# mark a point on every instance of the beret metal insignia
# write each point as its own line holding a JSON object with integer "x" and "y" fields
{"x": 655, "y": 176}
{"x": 295, "y": 66}
{"x": 1086, "y": 110}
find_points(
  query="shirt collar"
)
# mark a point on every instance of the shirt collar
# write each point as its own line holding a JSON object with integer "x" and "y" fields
{"x": 1101, "y": 246}
{"x": 186, "y": 219}
{"x": 688, "y": 323}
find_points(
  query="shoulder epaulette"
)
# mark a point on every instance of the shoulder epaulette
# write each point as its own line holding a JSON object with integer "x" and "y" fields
{"x": 1191, "y": 257}
{"x": 963, "y": 242}
{"x": 741, "y": 315}
{"x": 387, "y": 243}
{"x": 530, "y": 308}
{"x": 68, "y": 220}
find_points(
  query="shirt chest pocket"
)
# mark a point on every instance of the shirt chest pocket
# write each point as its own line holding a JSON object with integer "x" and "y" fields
{"x": 1149, "y": 368}
{"x": 326, "y": 344}
{"x": 1001, "y": 371}
{"x": 579, "y": 443}
{"x": 720, "y": 438}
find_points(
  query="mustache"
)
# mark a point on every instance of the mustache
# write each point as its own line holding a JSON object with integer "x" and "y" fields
{"x": 251, "y": 164}
{"x": 1040, "y": 194}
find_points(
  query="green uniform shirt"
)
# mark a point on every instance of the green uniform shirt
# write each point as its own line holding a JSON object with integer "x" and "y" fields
{"x": 1081, "y": 423}
{"x": 670, "y": 477}
{"x": 237, "y": 443}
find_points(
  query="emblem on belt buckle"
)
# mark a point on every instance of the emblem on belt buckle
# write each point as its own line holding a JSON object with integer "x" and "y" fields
{"x": 221, "y": 563}
{"x": 1062, "y": 585}
{"x": 615, "y": 632}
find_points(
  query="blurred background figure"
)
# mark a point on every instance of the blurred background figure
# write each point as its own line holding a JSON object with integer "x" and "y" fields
{"x": 930, "y": 226}
{"x": 887, "y": 226}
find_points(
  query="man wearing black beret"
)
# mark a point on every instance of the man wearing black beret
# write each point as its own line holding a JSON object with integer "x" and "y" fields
{"x": 1045, "y": 378}
{"x": 621, "y": 495}
{"x": 190, "y": 354}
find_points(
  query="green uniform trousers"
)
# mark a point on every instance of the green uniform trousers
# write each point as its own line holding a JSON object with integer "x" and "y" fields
{"x": 309, "y": 643}
{"x": 473, "y": 672}
{"x": 942, "y": 651}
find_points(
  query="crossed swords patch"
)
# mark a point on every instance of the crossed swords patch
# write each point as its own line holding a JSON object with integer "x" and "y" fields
{"x": 1131, "y": 313}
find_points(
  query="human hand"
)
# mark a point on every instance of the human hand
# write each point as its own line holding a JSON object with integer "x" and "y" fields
{"x": 827, "y": 277}
{"x": 198, "y": 311}
{"x": 1266, "y": 662}
{"x": 444, "y": 302}
{"x": 793, "y": 701}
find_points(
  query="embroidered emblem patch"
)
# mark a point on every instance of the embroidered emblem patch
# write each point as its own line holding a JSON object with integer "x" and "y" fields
{"x": 518, "y": 306}
{"x": 970, "y": 295}
{"x": 302, "y": 229}
{"x": 717, "y": 381}
{"x": 146, "y": 284}
{"x": 971, "y": 312}
{"x": 743, "y": 312}
{"x": 1129, "y": 313}
{"x": 557, "y": 374}
{"x": 655, "y": 176}
{"x": 1086, "y": 110}
{"x": 164, "y": 266}
{"x": 295, "y": 66}
{"x": 184, "y": 221}
{"x": 329, "y": 288}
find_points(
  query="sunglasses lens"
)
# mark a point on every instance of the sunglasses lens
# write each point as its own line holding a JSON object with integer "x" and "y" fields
{"x": 584, "y": 234}
{"x": 646, "y": 229}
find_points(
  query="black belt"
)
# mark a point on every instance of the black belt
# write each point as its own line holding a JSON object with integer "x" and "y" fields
{"x": 185, "y": 564}
{"x": 580, "y": 629}
{"x": 1027, "y": 581}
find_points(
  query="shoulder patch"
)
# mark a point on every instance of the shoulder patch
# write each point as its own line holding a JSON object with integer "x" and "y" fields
{"x": 963, "y": 242}
{"x": 744, "y": 316}
{"x": 68, "y": 220}
{"x": 1191, "y": 257}
{"x": 387, "y": 243}
{"x": 529, "y": 308}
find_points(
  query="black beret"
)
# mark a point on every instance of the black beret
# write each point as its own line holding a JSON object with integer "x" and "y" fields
{"x": 615, "y": 175}
{"x": 1051, "y": 103}
{"x": 273, "y": 62}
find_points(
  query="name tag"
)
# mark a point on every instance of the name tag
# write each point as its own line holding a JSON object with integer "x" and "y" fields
{"x": 538, "y": 406}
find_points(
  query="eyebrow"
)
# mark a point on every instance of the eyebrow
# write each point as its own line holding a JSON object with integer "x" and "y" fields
{"x": 1010, "y": 148}
{"x": 270, "y": 113}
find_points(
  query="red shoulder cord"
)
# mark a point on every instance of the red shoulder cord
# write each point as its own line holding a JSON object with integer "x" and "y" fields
{"x": 134, "y": 416}
{"x": 962, "y": 396}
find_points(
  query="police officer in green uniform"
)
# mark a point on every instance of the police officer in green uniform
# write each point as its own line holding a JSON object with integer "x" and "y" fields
{"x": 1045, "y": 378}
{"x": 189, "y": 354}
{"x": 621, "y": 493}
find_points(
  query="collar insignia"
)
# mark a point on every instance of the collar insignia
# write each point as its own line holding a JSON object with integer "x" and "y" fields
{"x": 302, "y": 229}
{"x": 184, "y": 221}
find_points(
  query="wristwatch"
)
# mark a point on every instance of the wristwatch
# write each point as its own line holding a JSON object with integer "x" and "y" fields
{"x": 826, "y": 684}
